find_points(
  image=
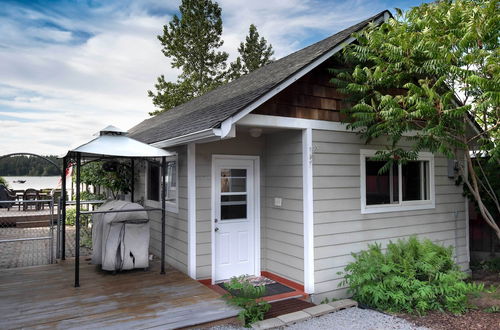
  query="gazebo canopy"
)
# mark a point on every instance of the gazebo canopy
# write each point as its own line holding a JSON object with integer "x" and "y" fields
{"x": 114, "y": 142}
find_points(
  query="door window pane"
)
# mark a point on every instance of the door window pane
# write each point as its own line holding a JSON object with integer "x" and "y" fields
{"x": 233, "y": 199}
{"x": 233, "y": 207}
{"x": 233, "y": 180}
{"x": 233, "y": 211}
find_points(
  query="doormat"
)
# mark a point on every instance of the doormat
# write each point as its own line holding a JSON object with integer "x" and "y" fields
{"x": 272, "y": 287}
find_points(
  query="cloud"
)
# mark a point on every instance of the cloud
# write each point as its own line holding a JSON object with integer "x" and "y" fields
{"x": 70, "y": 68}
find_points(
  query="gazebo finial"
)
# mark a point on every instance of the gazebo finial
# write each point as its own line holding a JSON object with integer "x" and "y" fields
{"x": 112, "y": 130}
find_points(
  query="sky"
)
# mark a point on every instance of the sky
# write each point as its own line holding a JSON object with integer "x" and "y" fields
{"x": 70, "y": 68}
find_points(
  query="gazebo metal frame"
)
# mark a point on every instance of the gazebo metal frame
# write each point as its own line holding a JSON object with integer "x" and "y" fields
{"x": 110, "y": 148}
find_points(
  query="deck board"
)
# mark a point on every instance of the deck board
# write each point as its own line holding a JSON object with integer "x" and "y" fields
{"x": 43, "y": 297}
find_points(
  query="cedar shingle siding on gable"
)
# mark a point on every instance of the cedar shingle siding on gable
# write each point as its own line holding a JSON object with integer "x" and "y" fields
{"x": 311, "y": 97}
{"x": 211, "y": 109}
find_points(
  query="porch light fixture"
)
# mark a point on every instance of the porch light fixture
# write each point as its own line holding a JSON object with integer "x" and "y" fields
{"x": 255, "y": 132}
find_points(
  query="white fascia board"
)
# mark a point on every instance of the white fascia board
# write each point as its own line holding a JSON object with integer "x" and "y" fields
{"x": 291, "y": 123}
{"x": 254, "y": 120}
{"x": 200, "y": 136}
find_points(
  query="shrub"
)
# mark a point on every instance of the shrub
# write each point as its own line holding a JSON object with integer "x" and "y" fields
{"x": 71, "y": 217}
{"x": 85, "y": 230}
{"x": 492, "y": 265}
{"x": 410, "y": 276}
{"x": 247, "y": 296}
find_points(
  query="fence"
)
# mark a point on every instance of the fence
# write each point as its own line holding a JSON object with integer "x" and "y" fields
{"x": 85, "y": 229}
{"x": 27, "y": 233}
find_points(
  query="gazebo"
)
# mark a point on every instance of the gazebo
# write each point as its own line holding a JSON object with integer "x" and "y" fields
{"x": 111, "y": 143}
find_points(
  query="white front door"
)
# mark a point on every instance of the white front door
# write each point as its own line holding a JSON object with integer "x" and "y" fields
{"x": 234, "y": 217}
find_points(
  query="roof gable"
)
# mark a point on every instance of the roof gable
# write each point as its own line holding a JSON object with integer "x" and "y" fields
{"x": 209, "y": 110}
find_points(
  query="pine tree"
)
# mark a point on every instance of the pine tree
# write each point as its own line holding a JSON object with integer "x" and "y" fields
{"x": 254, "y": 53}
{"x": 191, "y": 42}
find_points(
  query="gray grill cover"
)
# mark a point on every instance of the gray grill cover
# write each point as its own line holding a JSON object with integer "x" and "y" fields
{"x": 120, "y": 240}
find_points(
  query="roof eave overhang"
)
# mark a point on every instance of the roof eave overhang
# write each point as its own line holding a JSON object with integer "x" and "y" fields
{"x": 203, "y": 136}
{"x": 231, "y": 121}
{"x": 227, "y": 127}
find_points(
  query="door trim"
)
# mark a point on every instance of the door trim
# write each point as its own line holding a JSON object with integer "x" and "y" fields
{"x": 256, "y": 182}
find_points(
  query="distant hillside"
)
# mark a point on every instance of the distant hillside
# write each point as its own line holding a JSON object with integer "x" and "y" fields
{"x": 29, "y": 166}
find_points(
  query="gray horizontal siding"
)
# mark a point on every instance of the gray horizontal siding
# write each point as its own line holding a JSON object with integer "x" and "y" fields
{"x": 339, "y": 226}
{"x": 243, "y": 144}
{"x": 176, "y": 223}
{"x": 284, "y": 241}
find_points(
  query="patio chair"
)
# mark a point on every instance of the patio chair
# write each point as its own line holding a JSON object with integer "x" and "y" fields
{"x": 31, "y": 194}
{"x": 6, "y": 195}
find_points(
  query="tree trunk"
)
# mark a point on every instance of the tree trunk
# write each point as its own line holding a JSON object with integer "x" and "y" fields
{"x": 472, "y": 183}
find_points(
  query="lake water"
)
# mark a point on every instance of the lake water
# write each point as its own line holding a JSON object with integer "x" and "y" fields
{"x": 35, "y": 182}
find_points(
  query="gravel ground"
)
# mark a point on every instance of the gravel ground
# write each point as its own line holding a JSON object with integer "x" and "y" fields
{"x": 349, "y": 319}
{"x": 356, "y": 318}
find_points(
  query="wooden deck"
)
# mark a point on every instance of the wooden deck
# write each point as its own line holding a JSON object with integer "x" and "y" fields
{"x": 44, "y": 297}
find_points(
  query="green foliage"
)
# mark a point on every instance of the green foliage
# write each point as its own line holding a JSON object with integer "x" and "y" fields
{"x": 421, "y": 76}
{"x": 71, "y": 217}
{"x": 191, "y": 41}
{"x": 4, "y": 182}
{"x": 117, "y": 179}
{"x": 29, "y": 166}
{"x": 88, "y": 196}
{"x": 410, "y": 276}
{"x": 85, "y": 226}
{"x": 491, "y": 264}
{"x": 254, "y": 53}
{"x": 325, "y": 301}
{"x": 489, "y": 174}
{"x": 247, "y": 296}
{"x": 493, "y": 309}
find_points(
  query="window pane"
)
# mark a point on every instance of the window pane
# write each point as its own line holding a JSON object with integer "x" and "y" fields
{"x": 153, "y": 182}
{"x": 378, "y": 188}
{"x": 171, "y": 174}
{"x": 395, "y": 183}
{"x": 236, "y": 211}
{"x": 415, "y": 178}
{"x": 171, "y": 181}
{"x": 234, "y": 172}
{"x": 233, "y": 180}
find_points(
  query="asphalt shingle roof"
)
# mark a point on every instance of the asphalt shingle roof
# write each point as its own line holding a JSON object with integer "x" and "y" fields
{"x": 209, "y": 110}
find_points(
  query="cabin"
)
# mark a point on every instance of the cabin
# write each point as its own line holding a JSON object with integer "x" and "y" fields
{"x": 267, "y": 180}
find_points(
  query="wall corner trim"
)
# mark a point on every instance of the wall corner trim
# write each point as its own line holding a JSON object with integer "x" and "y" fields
{"x": 308, "y": 209}
{"x": 191, "y": 214}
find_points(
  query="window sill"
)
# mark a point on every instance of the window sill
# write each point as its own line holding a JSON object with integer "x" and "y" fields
{"x": 397, "y": 208}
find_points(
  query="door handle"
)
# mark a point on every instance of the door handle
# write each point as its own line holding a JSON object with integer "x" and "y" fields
{"x": 216, "y": 229}
{"x": 216, "y": 220}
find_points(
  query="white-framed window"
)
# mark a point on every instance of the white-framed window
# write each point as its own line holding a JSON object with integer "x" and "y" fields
{"x": 401, "y": 188}
{"x": 154, "y": 182}
{"x": 171, "y": 198}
